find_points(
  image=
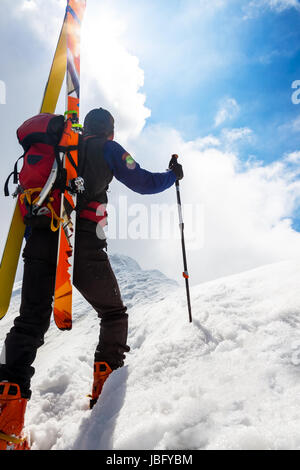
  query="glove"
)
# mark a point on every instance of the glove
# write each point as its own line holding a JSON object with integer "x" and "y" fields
{"x": 176, "y": 167}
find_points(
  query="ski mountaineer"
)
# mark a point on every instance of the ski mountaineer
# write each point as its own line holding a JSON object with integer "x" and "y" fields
{"x": 100, "y": 159}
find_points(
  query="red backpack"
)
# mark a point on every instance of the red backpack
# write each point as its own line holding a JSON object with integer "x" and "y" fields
{"x": 39, "y": 137}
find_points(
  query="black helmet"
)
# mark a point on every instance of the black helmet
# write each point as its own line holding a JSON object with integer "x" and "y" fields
{"x": 99, "y": 122}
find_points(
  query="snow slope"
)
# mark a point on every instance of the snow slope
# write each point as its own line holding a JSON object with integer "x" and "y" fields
{"x": 231, "y": 380}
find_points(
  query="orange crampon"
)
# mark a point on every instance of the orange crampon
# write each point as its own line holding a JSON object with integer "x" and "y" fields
{"x": 101, "y": 373}
{"x": 12, "y": 415}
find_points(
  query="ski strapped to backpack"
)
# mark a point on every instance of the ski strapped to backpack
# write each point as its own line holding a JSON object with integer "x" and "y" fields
{"x": 62, "y": 304}
{"x": 53, "y": 200}
{"x": 42, "y": 178}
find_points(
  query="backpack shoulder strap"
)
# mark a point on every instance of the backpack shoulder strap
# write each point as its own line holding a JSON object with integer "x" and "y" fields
{"x": 82, "y": 154}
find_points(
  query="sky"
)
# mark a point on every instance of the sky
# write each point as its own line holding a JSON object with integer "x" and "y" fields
{"x": 212, "y": 80}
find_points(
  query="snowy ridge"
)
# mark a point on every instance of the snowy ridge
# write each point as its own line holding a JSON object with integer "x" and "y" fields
{"x": 133, "y": 281}
{"x": 231, "y": 380}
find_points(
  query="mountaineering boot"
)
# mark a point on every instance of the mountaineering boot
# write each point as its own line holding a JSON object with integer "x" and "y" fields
{"x": 12, "y": 413}
{"x": 101, "y": 373}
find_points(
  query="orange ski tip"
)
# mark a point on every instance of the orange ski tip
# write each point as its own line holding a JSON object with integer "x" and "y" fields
{"x": 63, "y": 320}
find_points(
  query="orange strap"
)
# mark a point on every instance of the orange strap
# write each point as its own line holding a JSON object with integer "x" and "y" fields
{"x": 54, "y": 216}
{"x": 28, "y": 194}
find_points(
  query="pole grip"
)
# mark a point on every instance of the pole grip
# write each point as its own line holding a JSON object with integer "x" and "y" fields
{"x": 173, "y": 161}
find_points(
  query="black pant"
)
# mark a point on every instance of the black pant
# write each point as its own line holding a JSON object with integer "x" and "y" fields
{"x": 95, "y": 280}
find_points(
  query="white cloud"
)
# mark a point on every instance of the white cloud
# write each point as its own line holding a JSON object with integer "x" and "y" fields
{"x": 195, "y": 10}
{"x": 295, "y": 125}
{"x": 247, "y": 211}
{"x": 206, "y": 142}
{"x": 28, "y": 5}
{"x": 255, "y": 7}
{"x": 290, "y": 126}
{"x": 44, "y": 18}
{"x": 280, "y": 5}
{"x": 293, "y": 157}
{"x": 237, "y": 134}
{"x": 111, "y": 77}
{"x": 228, "y": 110}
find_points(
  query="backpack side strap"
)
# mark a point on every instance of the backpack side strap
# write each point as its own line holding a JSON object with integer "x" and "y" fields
{"x": 15, "y": 174}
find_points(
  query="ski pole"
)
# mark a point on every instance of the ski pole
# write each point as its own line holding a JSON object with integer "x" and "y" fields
{"x": 181, "y": 225}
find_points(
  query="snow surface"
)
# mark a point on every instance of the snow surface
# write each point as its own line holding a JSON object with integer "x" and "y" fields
{"x": 230, "y": 380}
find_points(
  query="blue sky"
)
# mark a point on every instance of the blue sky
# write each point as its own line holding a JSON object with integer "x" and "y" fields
{"x": 253, "y": 60}
{"x": 238, "y": 50}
